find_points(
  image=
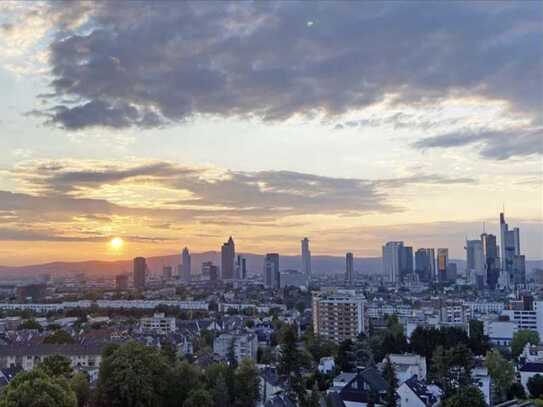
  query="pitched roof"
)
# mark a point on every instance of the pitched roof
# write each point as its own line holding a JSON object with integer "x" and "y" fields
{"x": 532, "y": 367}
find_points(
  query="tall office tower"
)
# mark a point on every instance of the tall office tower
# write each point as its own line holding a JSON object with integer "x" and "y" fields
{"x": 243, "y": 268}
{"x": 509, "y": 250}
{"x": 519, "y": 270}
{"x": 492, "y": 260}
{"x": 228, "y": 254}
{"x": 442, "y": 263}
{"x": 186, "y": 265}
{"x": 271, "y": 271}
{"x": 210, "y": 271}
{"x": 240, "y": 272}
{"x": 406, "y": 262}
{"x": 475, "y": 263}
{"x": 349, "y": 268}
{"x": 140, "y": 269}
{"x": 306, "y": 257}
{"x": 397, "y": 261}
{"x": 167, "y": 272}
{"x": 338, "y": 314}
{"x": 425, "y": 265}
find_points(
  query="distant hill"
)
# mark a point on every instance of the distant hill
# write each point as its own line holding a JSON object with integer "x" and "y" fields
{"x": 94, "y": 268}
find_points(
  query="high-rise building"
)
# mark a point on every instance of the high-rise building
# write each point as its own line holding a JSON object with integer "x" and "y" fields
{"x": 121, "y": 282}
{"x": 306, "y": 257}
{"x": 492, "y": 260}
{"x": 240, "y": 268}
{"x": 509, "y": 255}
{"x": 338, "y": 314}
{"x": 272, "y": 277}
{"x": 210, "y": 271}
{"x": 140, "y": 271}
{"x": 167, "y": 272}
{"x": 475, "y": 263}
{"x": 349, "y": 260}
{"x": 186, "y": 265}
{"x": 228, "y": 254}
{"x": 425, "y": 265}
{"x": 397, "y": 261}
{"x": 442, "y": 263}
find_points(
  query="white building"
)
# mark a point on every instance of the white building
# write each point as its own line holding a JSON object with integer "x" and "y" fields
{"x": 415, "y": 393}
{"x": 158, "y": 323}
{"x": 245, "y": 345}
{"x": 327, "y": 365}
{"x": 529, "y": 370}
{"x": 392, "y": 254}
{"x": 500, "y": 332}
{"x": 408, "y": 365}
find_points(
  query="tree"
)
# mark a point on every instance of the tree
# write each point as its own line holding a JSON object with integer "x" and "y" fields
{"x": 314, "y": 398}
{"x": 389, "y": 375}
{"x": 520, "y": 339}
{"x": 59, "y": 337}
{"x": 80, "y": 385}
{"x": 199, "y": 398}
{"x": 246, "y": 384}
{"x": 231, "y": 354}
{"x": 290, "y": 364}
{"x": 452, "y": 368}
{"x": 516, "y": 391}
{"x": 221, "y": 395}
{"x": 180, "y": 382}
{"x": 131, "y": 375}
{"x": 478, "y": 341}
{"x": 56, "y": 365}
{"x": 30, "y": 324}
{"x": 35, "y": 388}
{"x": 501, "y": 371}
{"x": 535, "y": 386}
{"x": 345, "y": 356}
{"x": 468, "y": 396}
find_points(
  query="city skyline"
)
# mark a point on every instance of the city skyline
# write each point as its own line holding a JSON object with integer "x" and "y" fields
{"x": 270, "y": 124}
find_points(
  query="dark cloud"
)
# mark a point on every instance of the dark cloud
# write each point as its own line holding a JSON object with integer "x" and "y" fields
{"x": 498, "y": 145}
{"x": 165, "y": 62}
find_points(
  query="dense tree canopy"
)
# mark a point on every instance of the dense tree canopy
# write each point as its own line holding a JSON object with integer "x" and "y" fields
{"x": 520, "y": 339}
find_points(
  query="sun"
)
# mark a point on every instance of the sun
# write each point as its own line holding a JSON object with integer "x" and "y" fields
{"x": 116, "y": 243}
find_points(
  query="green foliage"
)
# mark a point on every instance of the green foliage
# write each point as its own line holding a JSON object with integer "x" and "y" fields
{"x": 345, "y": 357}
{"x": 501, "y": 371}
{"x": 30, "y": 324}
{"x": 535, "y": 386}
{"x": 478, "y": 342}
{"x": 467, "y": 396}
{"x": 516, "y": 391}
{"x": 132, "y": 375}
{"x": 199, "y": 398}
{"x": 424, "y": 341}
{"x": 56, "y": 365}
{"x": 36, "y": 389}
{"x": 246, "y": 384}
{"x": 59, "y": 337}
{"x": 392, "y": 340}
{"x": 180, "y": 382}
{"x": 451, "y": 368}
{"x": 80, "y": 385}
{"x": 389, "y": 375}
{"x": 520, "y": 339}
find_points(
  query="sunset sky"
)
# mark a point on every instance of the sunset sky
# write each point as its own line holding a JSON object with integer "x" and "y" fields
{"x": 175, "y": 124}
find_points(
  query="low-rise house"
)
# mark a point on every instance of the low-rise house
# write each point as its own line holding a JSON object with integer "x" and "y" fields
{"x": 159, "y": 323}
{"x": 529, "y": 370}
{"x": 408, "y": 365}
{"x": 366, "y": 387}
{"x": 327, "y": 365}
{"x": 416, "y": 393}
{"x": 29, "y": 356}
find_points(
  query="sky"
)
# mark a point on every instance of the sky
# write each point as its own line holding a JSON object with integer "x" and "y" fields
{"x": 172, "y": 124}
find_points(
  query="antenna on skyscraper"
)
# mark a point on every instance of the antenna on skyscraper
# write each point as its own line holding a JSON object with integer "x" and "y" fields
{"x": 484, "y": 231}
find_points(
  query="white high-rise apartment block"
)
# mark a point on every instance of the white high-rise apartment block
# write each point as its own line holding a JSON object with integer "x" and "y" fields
{"x": 306, "y": 257}
{"x": 339, "y": 314}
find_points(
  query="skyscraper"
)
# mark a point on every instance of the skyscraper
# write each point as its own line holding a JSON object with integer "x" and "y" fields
{"x": 240, "y": 268}
{"x": 490, "y": 253}
{"x": 475, "y": 263}
{"x": 167, "y": 272}
{"x": 228, "y": 254}
{"x": 509, "y": 251}
{"x": 442, "y": 263}
{"x": 186, "y": 265}
{"x": 140, "y": 269}
{"x": 425, "y": 265}
{"x": 306, "y": 257}
{"x": 349, "y": 268}
{"x": 397, "y": 261}
{"x": 271, "y": 271}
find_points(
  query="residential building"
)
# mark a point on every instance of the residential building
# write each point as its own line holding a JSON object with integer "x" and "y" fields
{"x": 245, "y": 345}
{"x": 358, "y": 389}
{"x": 159, "y": 323}
{"x": 414, "y": 392}
{"x": 500, "y": 332}
{"x": 408, "y": 364}
{"x": 339, "y": 314}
